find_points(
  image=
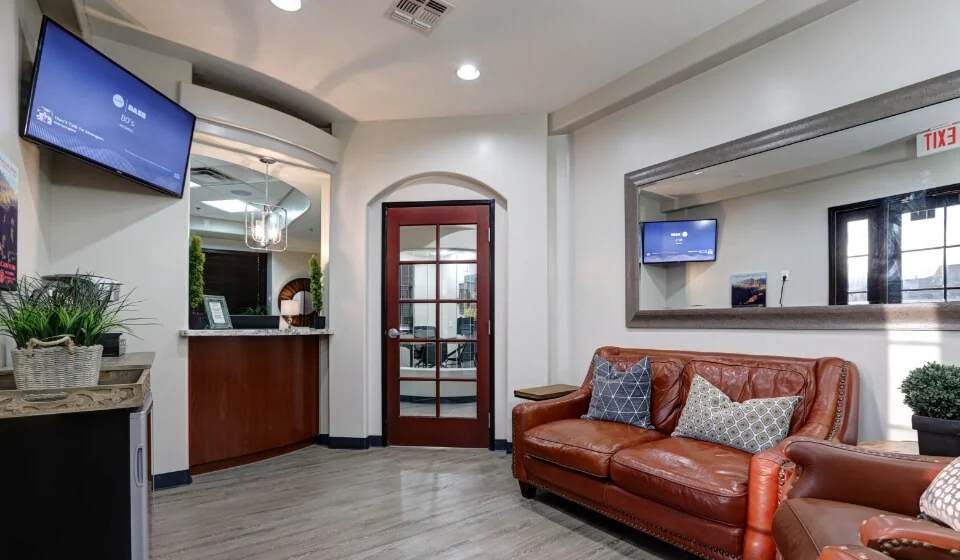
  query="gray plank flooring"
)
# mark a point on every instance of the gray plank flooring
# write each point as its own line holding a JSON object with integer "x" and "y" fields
{"x": 395, "y": 503}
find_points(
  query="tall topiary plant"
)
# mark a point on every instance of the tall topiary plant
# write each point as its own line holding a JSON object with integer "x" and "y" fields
{"x": 197, "y": 260}
{"x": 316, "y": 284}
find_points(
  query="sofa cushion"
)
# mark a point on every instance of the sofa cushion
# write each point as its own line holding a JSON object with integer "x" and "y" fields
{"x": 802, "y": 527}
{"x": 698, "y": 477}
{"x": 621, "y": 395}
{"x": 584, "y": 445}
{"x": 752, "y": 426}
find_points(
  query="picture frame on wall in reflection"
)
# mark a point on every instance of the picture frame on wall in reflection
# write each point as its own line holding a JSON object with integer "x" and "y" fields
{"x": 749, "y": 289}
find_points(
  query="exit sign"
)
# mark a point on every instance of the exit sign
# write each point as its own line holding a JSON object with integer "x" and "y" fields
{"x": 938, "y": 140}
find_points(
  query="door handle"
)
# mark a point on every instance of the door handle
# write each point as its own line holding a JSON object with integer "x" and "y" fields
{"x": 393, "y": 333}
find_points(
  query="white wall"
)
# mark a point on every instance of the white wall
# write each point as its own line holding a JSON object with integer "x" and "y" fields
{"x": 108, "y": 225}
{"x": 787, "y": 229}
{"x": 860, "y": 51}
{"x": 506, "y": 153}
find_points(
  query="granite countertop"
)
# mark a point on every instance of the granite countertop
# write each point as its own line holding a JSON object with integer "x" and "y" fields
{"x": 124, "y": 384}
{"x": 294, "y": 331}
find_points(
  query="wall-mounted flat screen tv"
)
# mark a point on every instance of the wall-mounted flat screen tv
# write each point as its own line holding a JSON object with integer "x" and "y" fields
{"x": 85, "y": 105}
{"x": 678, "y": 241}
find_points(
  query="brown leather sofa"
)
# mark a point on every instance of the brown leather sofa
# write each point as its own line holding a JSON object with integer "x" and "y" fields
{"x": 846, "y": 501}
{"x": 711, "y": 500}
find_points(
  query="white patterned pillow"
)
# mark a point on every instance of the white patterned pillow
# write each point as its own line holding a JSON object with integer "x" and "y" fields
{"x": 941, "y": 500}
{"x": 751, "y": 426}
{"x": 621, "y": 396}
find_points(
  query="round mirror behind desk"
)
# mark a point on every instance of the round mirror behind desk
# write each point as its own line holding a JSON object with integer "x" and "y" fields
{"x": 298, "y": 290}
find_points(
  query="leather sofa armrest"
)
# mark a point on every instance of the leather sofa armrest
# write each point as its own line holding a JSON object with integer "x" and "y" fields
{"x": 770, "y": 476}
{"x": 530, "y": 415}
{"x": 910, "y": 538}
{"x": 851, "y": 553}
{"x": 843, "y": 473}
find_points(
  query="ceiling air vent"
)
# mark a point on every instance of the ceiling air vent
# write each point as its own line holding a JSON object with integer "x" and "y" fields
{"x": 210, "y": 176}
{"x": 422, "y": 15}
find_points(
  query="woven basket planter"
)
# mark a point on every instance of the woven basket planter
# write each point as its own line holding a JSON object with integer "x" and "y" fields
{"x": 48, "y": 365}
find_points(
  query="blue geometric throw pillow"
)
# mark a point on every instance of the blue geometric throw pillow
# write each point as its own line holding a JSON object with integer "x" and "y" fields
{"x": 621, "y": 396}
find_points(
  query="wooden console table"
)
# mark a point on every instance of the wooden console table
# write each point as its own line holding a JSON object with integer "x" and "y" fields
{"x": 545, "y": 393}
{"x": 901, "y": 447}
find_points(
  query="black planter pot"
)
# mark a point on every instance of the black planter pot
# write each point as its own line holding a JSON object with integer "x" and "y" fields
{"x": 937, "y": 436}
{"x": 319, "y": 322}
{"x": 198, "y": 319}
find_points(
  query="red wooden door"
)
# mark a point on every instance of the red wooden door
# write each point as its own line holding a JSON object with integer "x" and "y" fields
{"x": 437, "y": 272}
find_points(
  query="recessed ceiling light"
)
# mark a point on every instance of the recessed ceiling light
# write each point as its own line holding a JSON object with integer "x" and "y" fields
{"x": 288, "y": 5}
{"x": 698, "y": 172}
{"x": 195, "y": 184}
{"x": 468, "y": 72}
{"x": 232, "y": 206}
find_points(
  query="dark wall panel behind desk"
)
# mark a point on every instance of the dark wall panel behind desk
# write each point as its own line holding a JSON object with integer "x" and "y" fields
{"x": 251, "y": 397}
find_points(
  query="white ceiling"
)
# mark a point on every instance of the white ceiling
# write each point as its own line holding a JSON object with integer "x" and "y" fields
{"x": 230, "y": 181}
{"x": 776, "y": 168}
{"x": 534, "y": 55}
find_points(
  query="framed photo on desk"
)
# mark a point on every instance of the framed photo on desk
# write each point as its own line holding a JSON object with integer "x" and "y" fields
{"x": 218, "y": 314}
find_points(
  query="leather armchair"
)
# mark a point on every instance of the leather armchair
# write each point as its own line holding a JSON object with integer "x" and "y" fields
{"x": 841, "y": 501}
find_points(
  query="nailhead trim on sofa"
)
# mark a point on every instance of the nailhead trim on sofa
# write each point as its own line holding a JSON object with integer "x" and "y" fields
{"x": 841, "y": 401}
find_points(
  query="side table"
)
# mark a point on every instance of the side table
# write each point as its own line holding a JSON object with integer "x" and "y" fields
{"x": 545, "y": 392}
{"x": 901, "y": 447}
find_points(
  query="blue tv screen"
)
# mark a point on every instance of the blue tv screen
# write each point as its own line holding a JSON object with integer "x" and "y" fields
{"x": 678, "y": 241}
{"x": 86, "y": 105}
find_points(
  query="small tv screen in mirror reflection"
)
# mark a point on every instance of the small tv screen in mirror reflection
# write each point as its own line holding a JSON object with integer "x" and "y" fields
{"x": 678, "y": 241}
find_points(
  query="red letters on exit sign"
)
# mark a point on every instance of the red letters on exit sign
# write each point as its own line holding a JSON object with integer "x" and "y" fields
{"x": 938, "y": 140}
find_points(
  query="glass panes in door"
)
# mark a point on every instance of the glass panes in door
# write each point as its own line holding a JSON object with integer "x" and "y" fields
{"x": 438, "y": 299}
{"x": 858, "y": 260}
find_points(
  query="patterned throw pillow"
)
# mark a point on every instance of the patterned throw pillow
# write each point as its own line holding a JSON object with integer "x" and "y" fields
{"x": 941, "y": 500}
{"x": 621, "y": 396}
{"x": 751, "y": 426}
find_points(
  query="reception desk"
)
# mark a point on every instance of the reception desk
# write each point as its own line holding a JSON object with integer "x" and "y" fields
{"x": 253, "y": 394}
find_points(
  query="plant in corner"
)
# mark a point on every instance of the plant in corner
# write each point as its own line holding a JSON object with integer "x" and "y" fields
{"x": 57, "y": 326}
{"x": 316, "y": 293}
{"x": 197, "y": 260}
{"x": 933, "y": 393}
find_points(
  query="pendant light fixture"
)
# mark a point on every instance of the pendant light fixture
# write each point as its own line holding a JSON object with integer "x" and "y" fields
{"x": 266, "y": 225}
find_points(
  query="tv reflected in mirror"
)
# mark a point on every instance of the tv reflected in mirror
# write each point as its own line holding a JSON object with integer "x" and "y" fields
{"x": 678, "y": 241}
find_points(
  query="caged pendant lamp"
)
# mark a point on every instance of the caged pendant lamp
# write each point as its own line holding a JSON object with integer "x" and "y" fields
{"x": 266, "y": 225}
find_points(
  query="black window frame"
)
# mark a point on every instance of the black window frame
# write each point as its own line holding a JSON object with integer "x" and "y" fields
{"x": 884, "y": 281}
{"x": 255, "y": 295}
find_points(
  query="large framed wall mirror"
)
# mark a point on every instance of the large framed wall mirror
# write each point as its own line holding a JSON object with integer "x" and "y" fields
{"x": 846, "y": 220}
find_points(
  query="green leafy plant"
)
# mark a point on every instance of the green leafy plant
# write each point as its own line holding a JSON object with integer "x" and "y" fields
{"x": 73, "y": 306}
{"x": 934, "y": 391}
{"x": 316, "y": 284}
{"x": 258, "y": 310}
{"x": 197, "y": 260}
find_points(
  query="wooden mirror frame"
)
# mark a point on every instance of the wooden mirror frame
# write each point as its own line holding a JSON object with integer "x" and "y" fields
{"x": 899, "y": 316}
{"x": 288, "y": 292}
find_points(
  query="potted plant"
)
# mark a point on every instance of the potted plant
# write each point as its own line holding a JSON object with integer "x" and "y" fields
{"x": 316, "y": 293}
{"x": 933, "y": 393}
{"x": 56, "y": 327}
{"x": 197, "y": 259}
